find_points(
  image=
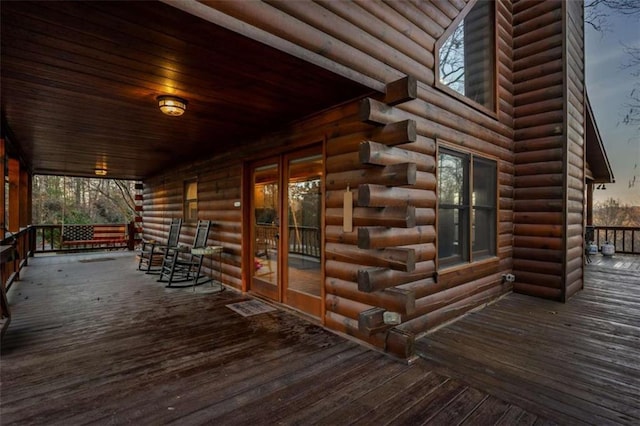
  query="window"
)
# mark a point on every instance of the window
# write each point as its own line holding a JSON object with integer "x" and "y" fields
{"x": 466, "y": 56}
{"x": 190, "y": 201}
{"x": 467, "y": 204}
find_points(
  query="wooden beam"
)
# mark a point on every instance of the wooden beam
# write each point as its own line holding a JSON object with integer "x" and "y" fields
{"x": 402, "y": 90}
{"x": 400, "y": 343}
{"x": 399, "y": 217}
{"x": 25, "y": 198}
{"x": 14, "y": 195}
{"x": 382, "y": 155}
{"x": 345, "y": 307}
{"x": 439, "y": 125}
{"x": 371, "y": 321}
{"x": 396, "y": 258}
{"x": 372, "y": 237}
{"x": 391, "y": 175}
{"x": 396, "y": 133}
{"x": 392, "y": 299}
{"x": 382, "y": 196}
{"x": 376, "y": 279}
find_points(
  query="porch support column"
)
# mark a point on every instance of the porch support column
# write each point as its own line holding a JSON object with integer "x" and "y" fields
{"x": 2, "y": 193}
{"x": 14, "y": 195}
{"x": 589, "y": 204}
{"x": 25, "y": 198}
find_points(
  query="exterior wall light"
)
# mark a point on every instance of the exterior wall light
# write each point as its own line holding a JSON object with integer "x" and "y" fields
{"x": 101, "y": 172}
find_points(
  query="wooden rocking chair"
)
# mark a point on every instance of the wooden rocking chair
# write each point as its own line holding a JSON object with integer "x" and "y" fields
{"x": 180, "y": 264}
{"x": 152, "y": 253}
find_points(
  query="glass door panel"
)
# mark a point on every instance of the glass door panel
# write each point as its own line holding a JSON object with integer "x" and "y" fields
{"x": 265, "y": 232}
{"x": 303, "y": 277}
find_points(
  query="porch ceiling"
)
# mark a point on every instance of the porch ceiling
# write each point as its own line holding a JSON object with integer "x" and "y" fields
{"x": 79, "y": 82}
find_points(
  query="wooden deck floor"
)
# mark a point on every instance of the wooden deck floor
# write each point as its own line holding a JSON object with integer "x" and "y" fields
{"x": 573, "y": 363}
{"x": 94, "y": 342}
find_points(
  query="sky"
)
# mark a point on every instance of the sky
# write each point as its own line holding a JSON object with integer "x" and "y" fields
{"x": 608, "y": 86}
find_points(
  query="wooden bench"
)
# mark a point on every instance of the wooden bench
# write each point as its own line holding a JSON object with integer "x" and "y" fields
{"x": 95, "y": 236}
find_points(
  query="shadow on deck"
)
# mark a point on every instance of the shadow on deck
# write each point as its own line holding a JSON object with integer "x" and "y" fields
{"x": 574, "y": 363}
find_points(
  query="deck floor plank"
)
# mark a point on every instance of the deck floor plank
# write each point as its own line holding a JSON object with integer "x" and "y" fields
{"x": 571, "y": 363}
{"x": 93, "y": 341}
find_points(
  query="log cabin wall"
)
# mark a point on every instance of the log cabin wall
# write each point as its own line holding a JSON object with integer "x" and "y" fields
{"x": 218, "y": 189}
{"x": 576, "y": 148}
{"x": 384, "y": 149}
{"x": 549, "y": 148}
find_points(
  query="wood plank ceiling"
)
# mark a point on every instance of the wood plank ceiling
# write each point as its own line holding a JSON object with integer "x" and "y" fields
{"x": 79, "y": 82}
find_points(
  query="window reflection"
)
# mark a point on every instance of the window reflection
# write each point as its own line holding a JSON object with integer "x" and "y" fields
{"x": 466, "y": 59}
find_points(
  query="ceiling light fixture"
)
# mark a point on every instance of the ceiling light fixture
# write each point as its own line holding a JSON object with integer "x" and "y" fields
{"x": 172, "y": 105}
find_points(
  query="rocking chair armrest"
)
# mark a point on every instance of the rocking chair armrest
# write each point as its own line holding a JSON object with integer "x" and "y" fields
{"x": 151, "y": 243}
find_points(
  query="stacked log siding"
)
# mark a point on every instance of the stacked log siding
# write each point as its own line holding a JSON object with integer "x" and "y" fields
{"x": 575, "y": 149}
{"x": 549, "y": 148}
{"x": 385, "y": 151}
{"x": 539, "y": 148}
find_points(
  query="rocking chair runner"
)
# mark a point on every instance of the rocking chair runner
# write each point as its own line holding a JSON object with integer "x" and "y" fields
{"x": 152, "y": 252}
{"x": 180, "y": 264}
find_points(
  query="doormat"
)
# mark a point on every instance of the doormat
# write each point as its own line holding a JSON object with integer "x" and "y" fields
{"x": 250, "y": 307}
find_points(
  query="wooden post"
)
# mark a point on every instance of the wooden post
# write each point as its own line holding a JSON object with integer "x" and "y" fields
{"x": 400, "y": 343}
{"x": 25, "y": 198}
{"x": 400, "y": 91}
{"x": 589, "y": 204}
{"x": 2, "y": 187}
{"x": 371, "y": 321}
{"x": 14, "y": 195}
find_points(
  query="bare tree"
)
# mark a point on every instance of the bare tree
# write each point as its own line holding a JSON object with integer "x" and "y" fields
{"x": 452, "y": 60}
{"x": 632, "y": 116}
{"x": 598, "y": 12}
{"x": 612, "y": 213}
{"x": 598, "y": 15}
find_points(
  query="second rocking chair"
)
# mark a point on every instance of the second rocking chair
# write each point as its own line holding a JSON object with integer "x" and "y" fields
{"x": 180, "y": 264}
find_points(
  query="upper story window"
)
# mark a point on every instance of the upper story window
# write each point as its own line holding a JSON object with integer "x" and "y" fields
{"x": 466, "y": 57}
{"x": 467, "y": 206}
{"x": 190, "y": 201}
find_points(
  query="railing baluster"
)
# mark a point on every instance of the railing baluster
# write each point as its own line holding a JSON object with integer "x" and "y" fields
{"x": 621, "y": 243}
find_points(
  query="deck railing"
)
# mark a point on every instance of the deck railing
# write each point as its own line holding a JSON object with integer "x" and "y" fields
{"x": 15, "y": 249}
{"x": 626, "y": 239}
{"x": 304, "y": 240}
{"x": 49, "y": 238}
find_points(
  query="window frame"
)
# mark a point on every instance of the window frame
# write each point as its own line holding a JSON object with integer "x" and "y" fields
{"x": 470, "y": 256}
{"x": 186, "y": 202}
{"x": 492, "y": 112}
